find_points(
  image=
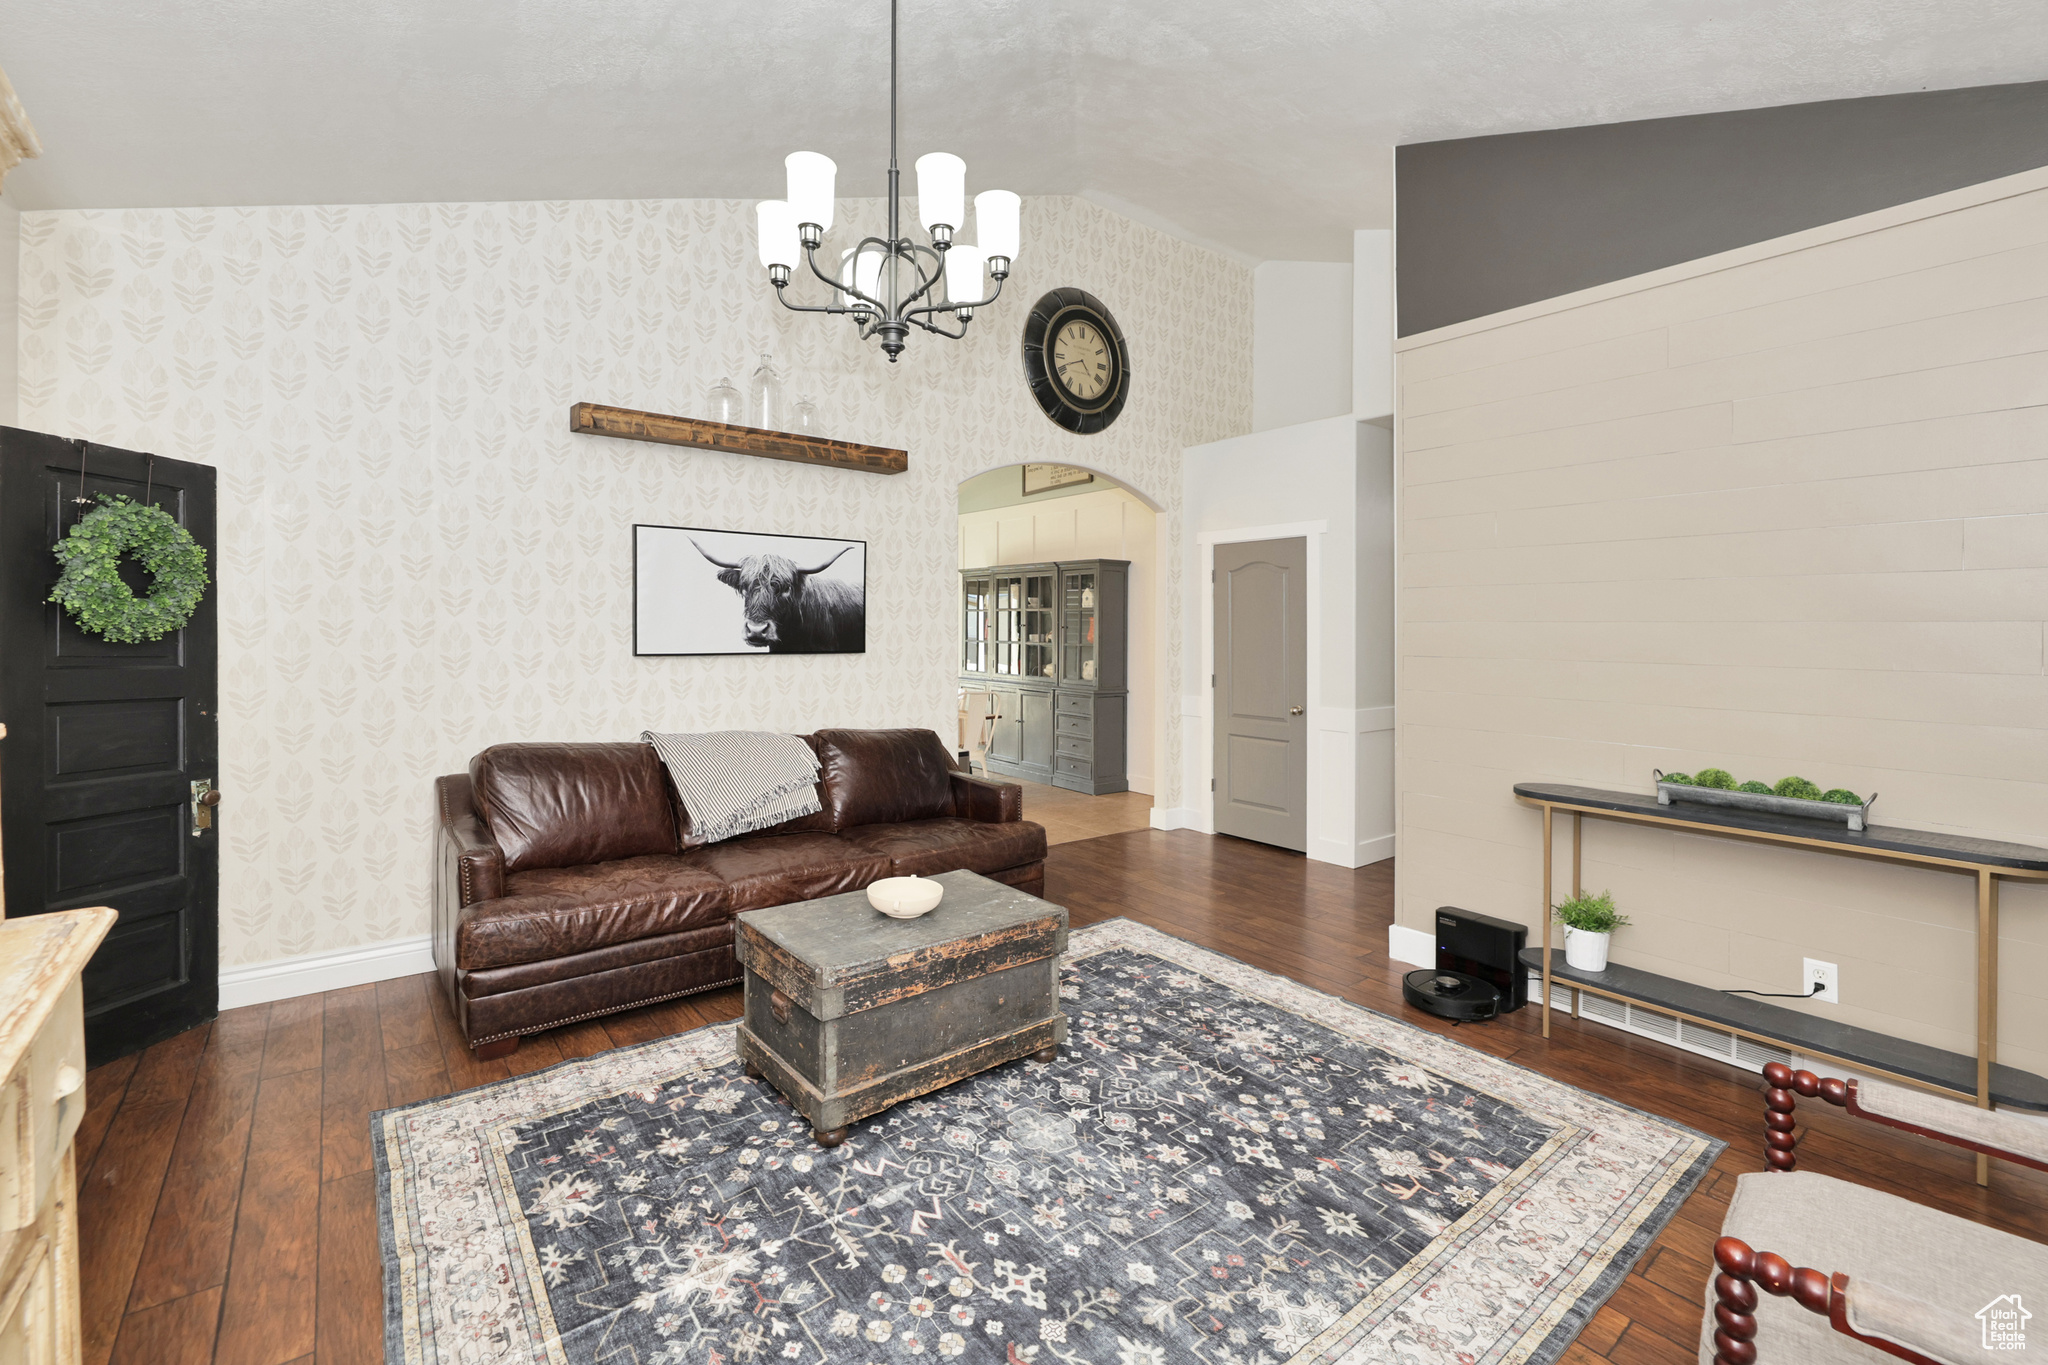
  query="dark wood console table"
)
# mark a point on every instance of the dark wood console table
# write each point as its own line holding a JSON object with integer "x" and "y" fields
{"x": 1988, "y": 861}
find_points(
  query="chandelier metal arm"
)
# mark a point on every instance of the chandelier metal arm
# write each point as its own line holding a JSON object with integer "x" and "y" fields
{"x": 915, "y": 314}
{"x": 905, "y": 250}
{"x": 940, "y": 331}
{"x": 811, "y": 259}
{"x": 813, "y": 307}
{"x": 912, "y": 250}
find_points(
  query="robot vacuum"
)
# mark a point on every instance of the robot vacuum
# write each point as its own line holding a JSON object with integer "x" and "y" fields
{"x": 1451, "y": 995}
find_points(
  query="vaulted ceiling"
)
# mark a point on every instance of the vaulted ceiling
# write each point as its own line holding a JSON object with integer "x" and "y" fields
{"x": 1263, "y": 129}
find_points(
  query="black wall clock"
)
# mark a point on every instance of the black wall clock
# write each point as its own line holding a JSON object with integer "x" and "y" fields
{"x": 1075, "y": 360}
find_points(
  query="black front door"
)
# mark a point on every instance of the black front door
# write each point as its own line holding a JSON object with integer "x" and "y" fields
{"x": 106, "y": 747}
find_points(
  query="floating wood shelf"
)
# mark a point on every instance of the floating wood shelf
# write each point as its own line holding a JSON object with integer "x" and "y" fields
{"x": 595, "y": 419}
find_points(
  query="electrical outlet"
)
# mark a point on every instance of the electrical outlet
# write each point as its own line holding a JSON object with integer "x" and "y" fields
{"x": 1829, "y": 978}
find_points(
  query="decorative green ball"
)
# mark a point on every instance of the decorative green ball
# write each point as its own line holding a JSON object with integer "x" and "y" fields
{"x": 1755, "y": 788}
{"x": 1680, "y": 779}
{"x": 1842, "y": 796}
{"x": 1798, "y": 788}
{"x": 1720, "y": 779}
{"x": 91, "y": 588}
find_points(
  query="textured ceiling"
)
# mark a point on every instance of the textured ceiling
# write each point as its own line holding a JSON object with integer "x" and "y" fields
{"x": 1262, "y": 129}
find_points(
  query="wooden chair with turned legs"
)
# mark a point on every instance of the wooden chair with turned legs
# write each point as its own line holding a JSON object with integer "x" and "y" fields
{"x": 1900, "y": 1281}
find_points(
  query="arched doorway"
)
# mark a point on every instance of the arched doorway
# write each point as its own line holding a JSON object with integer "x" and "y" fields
{"x": 1057, "y": 643}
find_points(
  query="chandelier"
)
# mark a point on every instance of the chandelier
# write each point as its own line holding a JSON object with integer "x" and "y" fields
{"x": 888, "y": 285}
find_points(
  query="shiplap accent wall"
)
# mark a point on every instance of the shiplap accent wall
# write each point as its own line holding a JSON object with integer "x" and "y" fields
{"x": 1785, "y": 510}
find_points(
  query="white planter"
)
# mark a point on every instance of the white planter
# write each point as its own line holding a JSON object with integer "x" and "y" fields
{"x": 1586, "y": 951}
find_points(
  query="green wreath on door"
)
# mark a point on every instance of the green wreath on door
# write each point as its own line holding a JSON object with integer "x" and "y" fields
{"x": 91, "y": 588}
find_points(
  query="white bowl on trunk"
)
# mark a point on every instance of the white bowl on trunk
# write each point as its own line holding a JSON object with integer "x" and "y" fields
{"x": 905, "y": 897}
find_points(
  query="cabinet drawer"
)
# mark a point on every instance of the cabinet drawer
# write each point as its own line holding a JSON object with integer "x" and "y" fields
{"x": 1073, "y": 766}
{"x": 40, "y": 1107}
{"x": 1076, "y": 703}
{"x": 1079, "y": 746}
{"x": 1071, "y": 723}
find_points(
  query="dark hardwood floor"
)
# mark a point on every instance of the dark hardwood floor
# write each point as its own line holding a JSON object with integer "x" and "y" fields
{"x": 229, "y": 1208}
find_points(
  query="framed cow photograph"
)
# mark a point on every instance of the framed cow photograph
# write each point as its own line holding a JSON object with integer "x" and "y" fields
{"x": 699, "y": 591}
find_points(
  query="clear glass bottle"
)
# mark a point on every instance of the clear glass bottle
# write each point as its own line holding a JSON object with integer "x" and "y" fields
{"x": 764, "y": 397}
{"x": 725, "y": 404}
{"x": 803, "y": 417}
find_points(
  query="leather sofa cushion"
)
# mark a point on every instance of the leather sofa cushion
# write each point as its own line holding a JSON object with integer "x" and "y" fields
{"x": 768, "y": 869}
{"x": 557, "y": 912}
{"x": 922, "y": 848}
{"x": 566, "y": 805}
{"x": 884, "y": 777}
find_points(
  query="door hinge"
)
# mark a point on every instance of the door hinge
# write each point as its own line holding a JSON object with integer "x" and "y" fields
{"x": 1212, "y": 784}
{"x": 1212, "y": 680}
{"x": 1212, "y": 575}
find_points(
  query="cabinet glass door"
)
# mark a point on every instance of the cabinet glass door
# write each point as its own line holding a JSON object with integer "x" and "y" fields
{"x": 1007, "y": 611}
{"x": 1037, "y": 627}
{"x": 1078, "y": 656}
{"x": 1021, "y": 625}
{"x": 975, "y": 624}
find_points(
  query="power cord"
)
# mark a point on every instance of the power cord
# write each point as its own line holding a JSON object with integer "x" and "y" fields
{"x": 1818, "y": 987}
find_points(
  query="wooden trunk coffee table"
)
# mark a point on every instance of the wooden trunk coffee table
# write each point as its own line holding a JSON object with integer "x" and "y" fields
{"x": 849, "y": 1011}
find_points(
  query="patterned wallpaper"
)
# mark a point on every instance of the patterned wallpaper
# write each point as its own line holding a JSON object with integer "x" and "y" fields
{"x": 418, "y": 559}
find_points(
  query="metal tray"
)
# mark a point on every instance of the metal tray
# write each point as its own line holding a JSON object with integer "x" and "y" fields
{"x": 1852, "y": 816}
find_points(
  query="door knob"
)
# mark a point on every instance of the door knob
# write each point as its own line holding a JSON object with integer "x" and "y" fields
{"x": 204, "y": 799}
{"x": 1294, "y": 710}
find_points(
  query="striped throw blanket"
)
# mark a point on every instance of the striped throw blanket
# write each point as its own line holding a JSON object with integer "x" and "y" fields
{"x": 733, "y": 782}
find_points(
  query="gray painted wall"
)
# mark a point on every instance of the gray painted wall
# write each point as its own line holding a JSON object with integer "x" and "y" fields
{"x": 1489, "y": 223}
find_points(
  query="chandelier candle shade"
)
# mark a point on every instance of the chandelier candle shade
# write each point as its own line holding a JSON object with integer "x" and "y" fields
{"x": 888, "y": 285}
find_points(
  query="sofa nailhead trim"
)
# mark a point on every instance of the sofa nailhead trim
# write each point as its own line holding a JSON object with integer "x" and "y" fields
{"x": 593, "y": 1014}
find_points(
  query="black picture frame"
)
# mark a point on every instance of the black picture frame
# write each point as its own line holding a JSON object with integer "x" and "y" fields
{"x": 696, "y": 621}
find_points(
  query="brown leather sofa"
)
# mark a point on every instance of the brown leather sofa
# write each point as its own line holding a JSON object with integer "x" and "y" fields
{"x": 569, "y": 885}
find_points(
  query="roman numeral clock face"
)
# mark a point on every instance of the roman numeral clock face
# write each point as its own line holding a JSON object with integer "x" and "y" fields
{"x": 1076, "y": 361}
{"x": 1080, "y": 357}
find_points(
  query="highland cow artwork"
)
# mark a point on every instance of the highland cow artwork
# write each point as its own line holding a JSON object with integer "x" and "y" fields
{"x": 698, "y": 591}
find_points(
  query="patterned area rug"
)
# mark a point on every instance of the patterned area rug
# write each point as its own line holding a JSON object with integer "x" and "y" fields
{"x": 1223, "y": 1166}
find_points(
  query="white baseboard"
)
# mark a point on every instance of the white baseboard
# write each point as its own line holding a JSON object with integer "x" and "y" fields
{"x": 1174, "y": 817}
{"x": 1414, "y": 946}
{"x": 1141, "y": 783}
{"x": 1351, "y": 855}
{"x": 282, "y": 978}
{"x": 1333, "y": 851}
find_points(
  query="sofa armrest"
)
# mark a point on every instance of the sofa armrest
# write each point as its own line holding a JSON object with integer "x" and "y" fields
{"x": 470, "y": 858}
{"x": 479, "y": 863}
{"x": 984, "y": 799}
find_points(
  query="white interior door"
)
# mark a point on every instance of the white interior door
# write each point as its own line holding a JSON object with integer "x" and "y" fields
{"x": 1261, "y": 741}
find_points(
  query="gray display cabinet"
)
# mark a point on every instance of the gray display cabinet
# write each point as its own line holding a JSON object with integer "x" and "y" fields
{"x": 1046, "y": 648}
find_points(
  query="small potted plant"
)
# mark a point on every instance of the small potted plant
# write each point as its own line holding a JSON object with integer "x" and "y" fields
{"x": 1589, "y": 921}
